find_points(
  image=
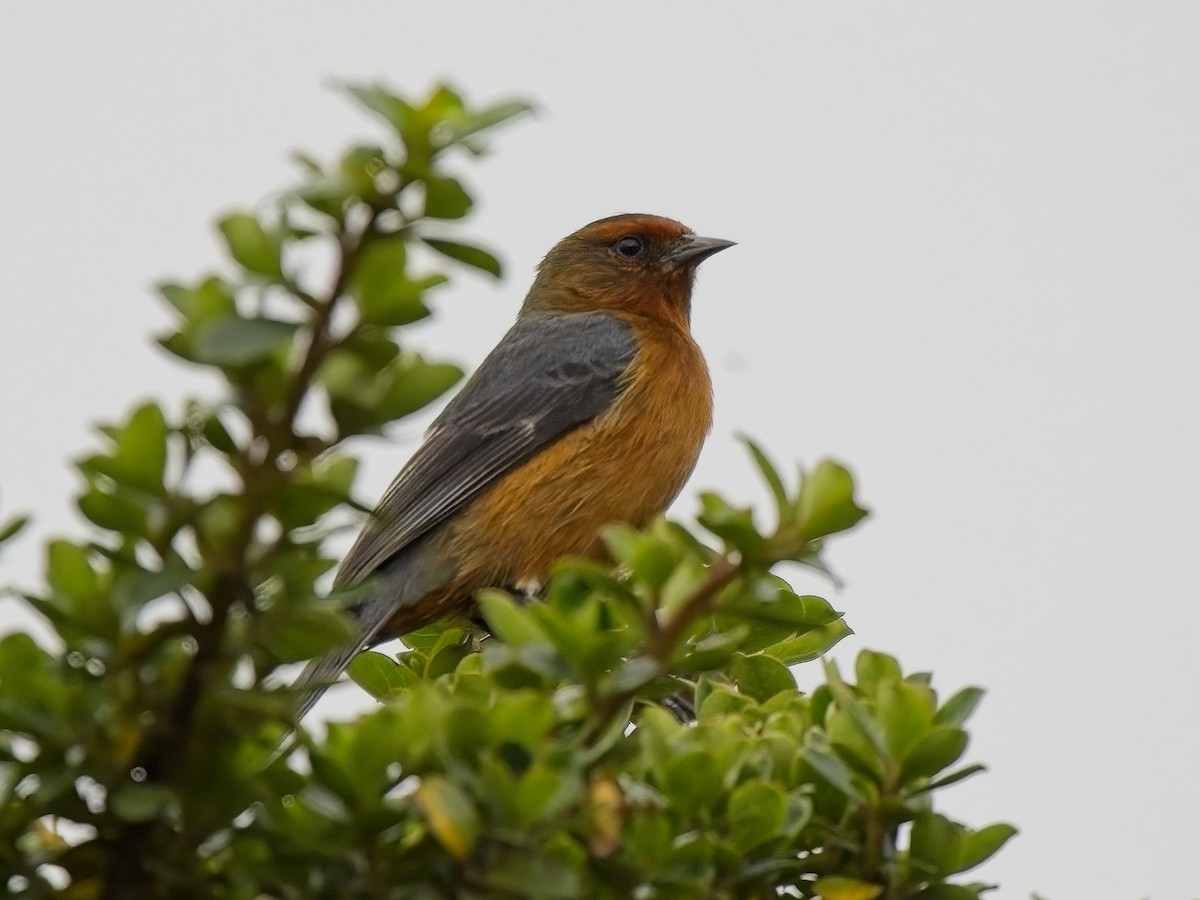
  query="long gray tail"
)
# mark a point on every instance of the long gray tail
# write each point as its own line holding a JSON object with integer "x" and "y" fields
{"x": 372, "y": 614}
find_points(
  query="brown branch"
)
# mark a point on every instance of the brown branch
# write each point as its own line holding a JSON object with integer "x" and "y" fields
{"x": 661, "y": 644}
{"x": 166, "y": 747}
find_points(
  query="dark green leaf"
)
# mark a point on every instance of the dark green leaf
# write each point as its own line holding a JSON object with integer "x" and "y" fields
{"x": 956, "y": 776}
{"x": 237, "y": 341}
{"x": 445, "y": 198}
{"x": 112, "y": 512}
{"x": 467, "y": 254}
{"x": 13, "y": 527}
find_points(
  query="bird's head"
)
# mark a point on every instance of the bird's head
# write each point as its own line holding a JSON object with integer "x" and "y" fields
{"x": 632, "y": 263}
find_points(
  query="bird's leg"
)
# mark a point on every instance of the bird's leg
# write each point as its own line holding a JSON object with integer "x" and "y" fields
{"x": 527, "y": 590}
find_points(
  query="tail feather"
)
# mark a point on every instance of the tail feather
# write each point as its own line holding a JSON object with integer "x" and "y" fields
{"x": 402, "y": 582}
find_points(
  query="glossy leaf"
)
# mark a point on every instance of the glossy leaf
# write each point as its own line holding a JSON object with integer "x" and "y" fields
{"x": 826, "y": 502}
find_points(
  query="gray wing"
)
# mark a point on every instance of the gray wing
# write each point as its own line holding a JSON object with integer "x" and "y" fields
{"x": 549, "y": 374}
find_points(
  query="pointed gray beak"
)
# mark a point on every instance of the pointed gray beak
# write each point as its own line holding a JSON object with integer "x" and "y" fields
{"x": 692, "y": 250}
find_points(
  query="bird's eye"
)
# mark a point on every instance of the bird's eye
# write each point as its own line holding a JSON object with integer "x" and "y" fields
{"x": 629, "y": 246}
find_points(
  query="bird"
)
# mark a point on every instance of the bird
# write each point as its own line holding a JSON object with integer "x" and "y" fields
{"x": 591, "y": 410}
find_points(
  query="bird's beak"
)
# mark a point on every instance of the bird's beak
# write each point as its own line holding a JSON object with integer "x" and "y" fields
{"x": 692, "y": 250}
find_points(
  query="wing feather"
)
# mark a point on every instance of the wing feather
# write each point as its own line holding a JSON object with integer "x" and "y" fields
{"x": 548, "y": 375}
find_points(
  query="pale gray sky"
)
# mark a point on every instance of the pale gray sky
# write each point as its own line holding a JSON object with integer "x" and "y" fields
{"x": 967, "y": 266}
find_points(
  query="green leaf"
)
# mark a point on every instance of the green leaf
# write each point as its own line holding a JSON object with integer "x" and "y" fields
{"x": 756, "y": 814}
{"x": 761, "y": 677}
{"x": 415, "y": 384}
{"x": 300, "y": 634}
{"x": 522, "y": 717}
{"x": 769, "y": 473}
{"x": 544, "y": 791}
{"x": 935, "y": 844}
{"x": 516, "y": 872}
{"x": 138, "y": 587}
{"x": 810, "y": 645}
{"x": 394, "y": 110}
{"x": 872, "y": 669}
{"x": 487, "y": 118}
{"x": 840, "y": 887}
{"x": 69, "y": 571}
{"x": 140, "y": 802}
{"x": 693, "y": 780}
{"x": 364, "y": 397}
{"x": 939, "y": 748}
{"x": 112, "y": 512}
{"x": 776, "y": 603}
{"x": 315, "y": 491}
{"x": 468, "y": 254}
{"x": 905, "y": 711}
{"x": 446, "y": 198}
{"x": 954, "y": 777}
{"x": 959, "y": 708}
{"x": 13, "y": 527}
{"x": 849, "y": 703}
{"x": 238, "y": 341}
{"x": 379, "y": 675}
{"x": 826, "y": 501}
{"x": 832, "y": 769}
{"x": 210, "y": 299}
{"x": 450, "y": 813}
{"x": 509, "y": 621}
{"x": 250, "y": 245}
{"x": 381, "y": 285}
{"x": 734, "y": 525}
{"x": 139, "y": 457}
{"x": 980, "y": 846}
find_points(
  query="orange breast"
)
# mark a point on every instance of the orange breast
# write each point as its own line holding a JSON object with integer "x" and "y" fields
{"x": 625, "y": 466}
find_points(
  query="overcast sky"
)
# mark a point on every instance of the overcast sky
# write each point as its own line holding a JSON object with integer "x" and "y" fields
{"x": 967, "y": 266}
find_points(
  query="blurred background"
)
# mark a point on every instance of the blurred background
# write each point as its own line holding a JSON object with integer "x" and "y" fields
{"x": 967, "y": 267}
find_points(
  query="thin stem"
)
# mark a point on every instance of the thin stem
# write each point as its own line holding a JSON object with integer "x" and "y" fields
{"x": 167, "y": 749}
{"x": 664, "y": 640}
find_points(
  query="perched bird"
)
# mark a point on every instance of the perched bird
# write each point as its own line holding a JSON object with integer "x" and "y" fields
{"x": 591, "y": 410}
